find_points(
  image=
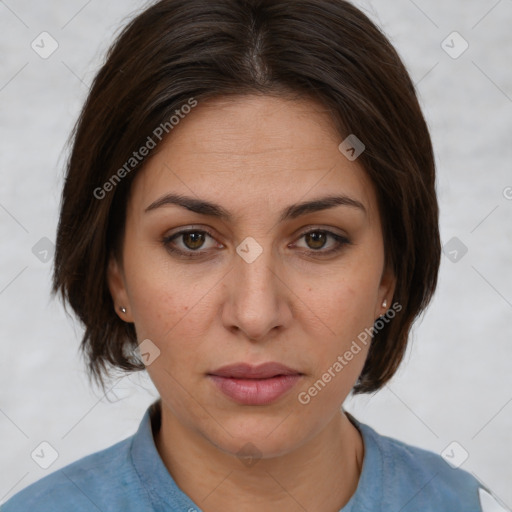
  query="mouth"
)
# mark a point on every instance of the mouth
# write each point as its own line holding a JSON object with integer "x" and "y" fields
{"x": 255, "y": 385}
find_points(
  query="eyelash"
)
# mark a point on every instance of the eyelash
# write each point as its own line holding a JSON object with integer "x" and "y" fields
{"x": 341, "y": 242}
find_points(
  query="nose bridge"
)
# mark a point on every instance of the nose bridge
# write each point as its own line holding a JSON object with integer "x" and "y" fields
{"x": 256, "y": 302}
{"x": 258, "y": 274}
{"x": 254, "y": 268}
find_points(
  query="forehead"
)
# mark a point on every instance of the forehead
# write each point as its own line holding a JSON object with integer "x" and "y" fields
{"x": 253, "y": 150}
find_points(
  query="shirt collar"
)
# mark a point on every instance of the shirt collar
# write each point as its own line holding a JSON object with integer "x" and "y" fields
{"x": 370, "y": 488}
{"x": 156, "y": 479}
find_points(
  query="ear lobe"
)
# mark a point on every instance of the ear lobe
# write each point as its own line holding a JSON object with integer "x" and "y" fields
{"x": 386, "y": 290}
{"x": 117, "y": 287}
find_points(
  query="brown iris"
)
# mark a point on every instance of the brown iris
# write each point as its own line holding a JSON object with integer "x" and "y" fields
{"x": 317, "y": 239}
{"x": 193, "y": 240}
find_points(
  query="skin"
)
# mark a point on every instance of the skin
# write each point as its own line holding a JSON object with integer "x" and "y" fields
{"x": 254, "y": 156}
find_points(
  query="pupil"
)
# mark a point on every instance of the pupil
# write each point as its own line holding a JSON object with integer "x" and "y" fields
{"x": 318, "y": 240}
{"x": 193, "y": 240}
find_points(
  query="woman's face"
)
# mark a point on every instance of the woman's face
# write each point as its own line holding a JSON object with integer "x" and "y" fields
{"x": 257, "y": 277}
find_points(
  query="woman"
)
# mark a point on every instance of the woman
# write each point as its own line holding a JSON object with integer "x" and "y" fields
{"x": 249, "y": 213}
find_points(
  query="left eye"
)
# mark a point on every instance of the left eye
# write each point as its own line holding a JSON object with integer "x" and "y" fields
{"x": 317, "y": 239}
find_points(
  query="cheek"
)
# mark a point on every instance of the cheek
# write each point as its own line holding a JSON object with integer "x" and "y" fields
{"x": 338, "y": 357}
{"x": 346, "y": 301}
{"x": 168, "y": 304}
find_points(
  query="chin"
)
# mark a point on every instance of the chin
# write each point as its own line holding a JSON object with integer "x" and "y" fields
{"x": 259, "y": 437}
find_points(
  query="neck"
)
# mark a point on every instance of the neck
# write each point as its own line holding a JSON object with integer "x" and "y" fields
{"x": 321, "y": 474}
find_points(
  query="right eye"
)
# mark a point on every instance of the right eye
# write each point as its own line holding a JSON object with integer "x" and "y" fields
{"x": 187, "y": 242}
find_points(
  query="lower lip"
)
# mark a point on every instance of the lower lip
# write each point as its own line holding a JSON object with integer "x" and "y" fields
{"x": 255, "y": 391}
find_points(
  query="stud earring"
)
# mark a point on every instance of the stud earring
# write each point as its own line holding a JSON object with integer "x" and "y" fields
{"x": 385, "y": 304}
{"x": 123, "y": 310}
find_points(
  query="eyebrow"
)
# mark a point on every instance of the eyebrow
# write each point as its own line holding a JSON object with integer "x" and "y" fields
{"x": 291, "y": 212}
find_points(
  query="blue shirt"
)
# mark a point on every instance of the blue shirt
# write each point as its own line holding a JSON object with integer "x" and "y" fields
{"x": 130, "y": 476}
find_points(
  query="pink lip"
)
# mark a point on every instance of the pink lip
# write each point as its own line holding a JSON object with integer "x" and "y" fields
{"x": 255, "y": 385}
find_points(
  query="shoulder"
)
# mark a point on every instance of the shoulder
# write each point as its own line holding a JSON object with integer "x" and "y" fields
{"x": 417, "y": 479}
{"x": 84, "y": 485}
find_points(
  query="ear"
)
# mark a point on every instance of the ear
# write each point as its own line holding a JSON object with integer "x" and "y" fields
{"x": 117, "y": 286}
{"x": 386, "y": 291}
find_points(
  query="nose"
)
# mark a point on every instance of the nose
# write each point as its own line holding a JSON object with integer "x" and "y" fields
{"x": 258, "y": 300}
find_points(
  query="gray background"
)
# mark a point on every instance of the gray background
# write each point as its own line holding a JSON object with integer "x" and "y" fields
{"x": 455, "y": 384}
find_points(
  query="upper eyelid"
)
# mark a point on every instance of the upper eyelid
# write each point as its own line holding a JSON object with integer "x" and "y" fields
{"x": 209, "y": 231}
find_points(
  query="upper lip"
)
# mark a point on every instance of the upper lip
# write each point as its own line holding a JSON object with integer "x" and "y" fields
{"x": 248, "y": 371}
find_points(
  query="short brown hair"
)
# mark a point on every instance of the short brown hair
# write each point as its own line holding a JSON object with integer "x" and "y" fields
{"x": 175, "y": 50}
